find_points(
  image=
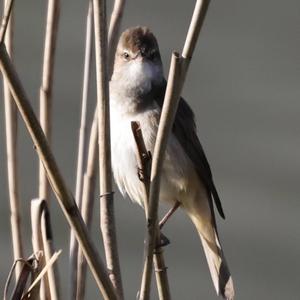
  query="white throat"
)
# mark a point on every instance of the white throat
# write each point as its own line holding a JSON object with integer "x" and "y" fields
{"x": 136, "y": 77}
{"x": 130, "y": 82}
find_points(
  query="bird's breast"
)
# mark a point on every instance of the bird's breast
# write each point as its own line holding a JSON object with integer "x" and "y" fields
{"x": 176, "y": 167}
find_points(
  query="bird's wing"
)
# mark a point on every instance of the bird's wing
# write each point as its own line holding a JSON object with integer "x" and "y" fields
{"x": 184, "y": 129}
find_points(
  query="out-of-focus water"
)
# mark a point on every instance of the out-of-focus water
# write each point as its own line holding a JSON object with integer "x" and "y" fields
{"x": 244, "y": 87}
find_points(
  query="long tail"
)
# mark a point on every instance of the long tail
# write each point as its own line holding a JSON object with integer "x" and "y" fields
{"x": 205, "y": 225}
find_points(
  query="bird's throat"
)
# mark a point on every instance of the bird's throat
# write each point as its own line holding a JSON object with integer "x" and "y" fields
{"x": 133, "y": 85}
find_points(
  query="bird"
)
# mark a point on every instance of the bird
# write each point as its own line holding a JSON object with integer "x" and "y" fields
{"x": 137, "y": 88}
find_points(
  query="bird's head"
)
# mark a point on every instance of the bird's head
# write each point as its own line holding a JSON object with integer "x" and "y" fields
{"x": 138, "y": 63}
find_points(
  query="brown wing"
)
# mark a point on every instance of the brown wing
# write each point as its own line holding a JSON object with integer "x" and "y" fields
{"x": 184, "y": 129}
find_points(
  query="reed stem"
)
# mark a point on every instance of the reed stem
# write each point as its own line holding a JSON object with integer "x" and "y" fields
{"x": 47, "y": 86}
{"x": 59, "y": 187}
{"x": 107, "y": 218}
{"x": 177, "y": 75}
{"x": 11, "y": 126}
{"x": 82, "y": 147}
{"x": 88, "y": 201}
{"x": 144, "y": 170}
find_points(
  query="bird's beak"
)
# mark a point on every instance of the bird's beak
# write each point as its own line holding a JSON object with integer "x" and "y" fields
{"x": 140, "y": 56}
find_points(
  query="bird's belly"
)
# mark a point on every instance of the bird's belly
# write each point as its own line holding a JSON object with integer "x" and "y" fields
{"x": 177, "y": 167}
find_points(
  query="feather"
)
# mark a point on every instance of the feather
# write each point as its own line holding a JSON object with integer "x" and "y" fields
{"x": 184, "y": 129}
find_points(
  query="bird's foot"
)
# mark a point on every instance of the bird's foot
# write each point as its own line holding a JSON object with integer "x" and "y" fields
{"x": 162, "y": 241}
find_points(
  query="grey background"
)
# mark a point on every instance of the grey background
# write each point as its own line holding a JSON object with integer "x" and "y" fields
{"x": 244, "y": 87}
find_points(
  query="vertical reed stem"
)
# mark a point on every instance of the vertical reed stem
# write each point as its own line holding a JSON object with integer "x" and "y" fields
{"x": 161, "y": 275}
{"x": 46, "y": 86}
{"x": 88, "y": 201}
{"x": 48, "y": 246}
{"x": 89, "y": 177}
{"x": 107, "y": 203}
{"x": 85, "y": 93}
{"x": 12, "y": 161}
{"x": 81, "y": 147}
{"x": 37, "y": 244}
{"x": 113, "y": 32}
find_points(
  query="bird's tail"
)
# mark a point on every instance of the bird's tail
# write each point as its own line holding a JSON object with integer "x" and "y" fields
{"x": 219, "y": 271}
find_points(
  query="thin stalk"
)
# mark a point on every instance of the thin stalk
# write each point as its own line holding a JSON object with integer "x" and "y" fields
{"x": 113, "y": 32}
{"x": 143, "y": 163}
{"x": 46, "y": 86}
{"x": 37, "y": 244}
{"x": 81, "y": 145}
{"x": 88, "y": 201}
{"x": 85, "y": 93}
{"x": 12, "y": 161}
{"x": 177, "y": 75}
{"x": 64, "y": 196}
{"x": 34, "y": 294}
{"x": 161, "y": 274}
{"x": 5, "y": 19}
{"x": 107, "y": 203}
{"x": 196, "y": 24}
{"x": 90, "y": 175}
{"x": 42, "y": 240}
{"x": 144, "y": 167}
{"x": 29, "y": 267}
{"x": 47, "y": 237}
{"x": 41, "y": 274}
{"x": 166, "y": 121}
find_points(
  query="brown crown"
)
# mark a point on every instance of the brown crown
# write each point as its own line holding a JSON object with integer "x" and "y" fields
{"x": 138, "y": 38}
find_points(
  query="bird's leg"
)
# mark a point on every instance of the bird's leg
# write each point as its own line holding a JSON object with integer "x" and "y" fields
{"x": 169, "y": 214}
{"x": 163, "y": 240}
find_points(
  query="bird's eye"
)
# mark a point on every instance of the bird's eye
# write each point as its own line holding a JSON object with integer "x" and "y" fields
{"x": 126, "y": 55}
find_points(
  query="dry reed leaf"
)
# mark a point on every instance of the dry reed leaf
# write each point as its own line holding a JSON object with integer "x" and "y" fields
{"x": 41, "y": 274}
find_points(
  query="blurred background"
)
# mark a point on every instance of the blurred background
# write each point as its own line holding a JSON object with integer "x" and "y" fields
{"x": 244, "y": 86}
